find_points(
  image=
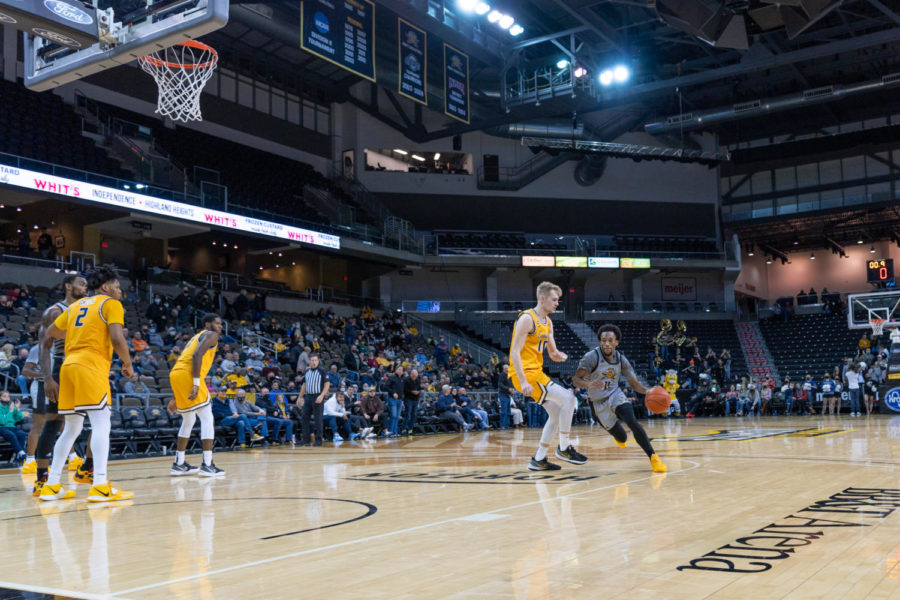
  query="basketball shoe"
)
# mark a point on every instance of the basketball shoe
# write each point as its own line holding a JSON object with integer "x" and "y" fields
{"x": 211, "y": 470}
{"x": 657, "y": 464}
{"x": 29, "y": 467}
{"x": 571, "y": 455}
{"x": 75, "y": 463}
{"x": 83, "y": 475}
{"x": 620, "y": 444}
{"x": 38, "y": 484}
{"x": 107, "y": 493}
{"x": 542, "y": 465}
{"x": 55, "y": 492}
{"x": 183, "y": 469}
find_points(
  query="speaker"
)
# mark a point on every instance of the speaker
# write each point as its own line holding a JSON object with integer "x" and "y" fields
{"x": 457, "y": 142}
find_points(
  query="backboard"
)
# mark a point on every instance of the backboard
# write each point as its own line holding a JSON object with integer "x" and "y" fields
{"x": 144, "y": 26}
{"x": 862, "y": 308}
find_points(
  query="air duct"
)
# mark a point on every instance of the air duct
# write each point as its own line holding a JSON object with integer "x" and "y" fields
{"x": 755, "y": 108}
{"x": 560, "y": 129}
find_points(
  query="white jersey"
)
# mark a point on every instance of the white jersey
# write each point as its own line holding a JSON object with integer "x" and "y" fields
{"x": 608, "y": 370}
{"x": 34, "y": 358}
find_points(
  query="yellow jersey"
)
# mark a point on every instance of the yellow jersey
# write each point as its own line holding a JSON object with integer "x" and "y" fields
{"x": 535, "y": 342}
{"x": 86, "y": 323}
{"x": 185, "y": 360}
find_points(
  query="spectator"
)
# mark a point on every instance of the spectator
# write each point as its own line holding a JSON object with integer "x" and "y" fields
{"x": 226, "y": 413}
{"x": 412, "y": 391}
{"x": 277, "y": 416}
{"x": 394, "y": 389}
{"x": 334, "y": 377}
{"x": 371, "y": 408}
{"x": 147, "y": 363}
{"x": 864, "y": 343}
{"x": 481, "y": 415}
{"x": 828, "y": 393}
{"x": 870, "y": 389}
{"x": 516, "y": 413}
{"x": 787, "y": 394}
{"x": 448, "y": 410}
{"x": 754, "y": 400}
{"x": 135, "y": 387}
{"x": 801, "y": 399}
{"x": 10, "y": 415}
{"x": 46, "y": 247}
{"x": 255, "y": 415}
{"x": 156, "y": 312}
{"x": 765, "y": 394}
{"x": 271, "y": 371}
{"x": 731, "y": 396}
{"x": 337, "y": 417}
{"x": 154, "y": 338}
{"x": 852, "y": 380}
{"x": 19, "y": 362}
{"x": 239, "y": 377}
{"x": 303, "y": 360}
{"x": 228, "y": 365}
{"x": 441, "y": 352}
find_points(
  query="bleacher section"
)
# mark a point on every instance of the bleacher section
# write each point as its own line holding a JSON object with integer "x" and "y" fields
{"x": 42, "y": 127}
{"x": 810, "y": 344}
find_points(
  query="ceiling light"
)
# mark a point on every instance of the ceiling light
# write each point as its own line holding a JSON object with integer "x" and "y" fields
{"x": 18, "y": 209}
{"x": 467, "y": 5}
{"x": 140, "y": 186}
{"x": 277, "y": 266}
{"x": 768, "y": 261}
{"x": 279, "y": 254}
{"x": 621, "y": 73}
{"x": 294, "y": 263}
{"x": 260, "y": 267}
{"x": 506, "y": 22}
{"x": 417, "y": 157}
{"x": 562, "y": 63}
{"x": 859, "y": 241}
{"x": 515, "y": 30}
{"x": 606, "y": 77}
{"x": 437, "y": 155}
{"x": 872, "y": 250}
{"x": 580, "y": 72}
{"x": 214, "y": 242}
{"x": 482, "y": 8}
{"x": 126, "y": 186}
{"x": 235, "y": 246}
{"x": 812, "y": 256}
{"x": 35, "y": 226}
{"x": 494, "y": 16}
{"x": 399, "y": 151}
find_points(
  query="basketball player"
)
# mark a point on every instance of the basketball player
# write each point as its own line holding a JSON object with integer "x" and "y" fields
{"x": 532, "y": 333}
{"x": 598, "y": 372}
{"x": 47, "y": 421}
{"x": 92, "y": 328}
{"x": 192, "y": 398}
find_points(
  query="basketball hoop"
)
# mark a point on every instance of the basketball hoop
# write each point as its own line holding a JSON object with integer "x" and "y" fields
{"x": 181, "y": 72}
{"x": 877, "y": 326}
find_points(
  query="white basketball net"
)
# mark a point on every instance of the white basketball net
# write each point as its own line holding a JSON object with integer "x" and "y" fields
{"x": 181, "y": 72}
{"x": 877, "y": 326}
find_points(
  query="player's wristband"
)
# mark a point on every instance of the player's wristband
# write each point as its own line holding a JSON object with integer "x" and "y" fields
{"x": 197, "y": 381}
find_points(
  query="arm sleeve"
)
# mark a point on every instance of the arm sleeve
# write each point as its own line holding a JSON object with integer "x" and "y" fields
{"x": 589, "y": 361}
{"x": 113, "y": 312}
{"x": 627, "y": 369}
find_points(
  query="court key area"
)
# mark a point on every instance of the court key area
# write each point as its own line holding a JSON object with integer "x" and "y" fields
{"x": 750, "y": 508}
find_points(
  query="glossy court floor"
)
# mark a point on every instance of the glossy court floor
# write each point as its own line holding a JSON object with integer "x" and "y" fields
{"x": 751, "y": 508}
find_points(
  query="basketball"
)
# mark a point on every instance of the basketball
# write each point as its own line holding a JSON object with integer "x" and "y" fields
{"x": 657, "y": 400}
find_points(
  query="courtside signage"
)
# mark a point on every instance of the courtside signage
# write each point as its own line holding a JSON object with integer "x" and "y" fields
{"x": 538, "y": 261}
{"x": 892, "y": 399}
{"x": 33, "y": 180}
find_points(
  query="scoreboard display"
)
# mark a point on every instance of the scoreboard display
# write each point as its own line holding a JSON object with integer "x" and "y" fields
{"x": 880, "y": 271}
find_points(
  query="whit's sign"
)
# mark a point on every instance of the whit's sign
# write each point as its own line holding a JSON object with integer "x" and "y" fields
{"x": 33, "y": 180}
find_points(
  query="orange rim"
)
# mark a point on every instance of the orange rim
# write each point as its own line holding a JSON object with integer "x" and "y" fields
{"x": 191, "y": 44}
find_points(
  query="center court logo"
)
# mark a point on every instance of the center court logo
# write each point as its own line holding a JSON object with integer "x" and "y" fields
{"x": 892, "y": 399}
{"x": 68, "y": 12}
{"x": 321, "y": 22}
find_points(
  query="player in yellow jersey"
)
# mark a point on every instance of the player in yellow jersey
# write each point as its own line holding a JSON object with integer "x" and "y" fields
{"x": 92, "y": 328}
{"x": 192, "y": 398}
{"x": 532, "y": 334}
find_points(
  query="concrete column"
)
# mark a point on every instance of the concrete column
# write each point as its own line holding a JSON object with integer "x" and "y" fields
{"x": 490, "y": 291}
{"x": 9, "y": 35}
{"x": 384, "y": 291}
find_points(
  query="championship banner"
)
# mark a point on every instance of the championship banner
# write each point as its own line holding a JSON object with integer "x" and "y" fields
{"x": 127, "y": 200}
{"x": 456, "y": 84}
{"x": 412, "y": 62}
{"x": 342, "y": 32}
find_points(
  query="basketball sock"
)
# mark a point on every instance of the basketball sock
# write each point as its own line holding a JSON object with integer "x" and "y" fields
{"x": 179, "y": 457}
{"x": 88, "y": 464}
{"x": 563, "y": 400}
{"x": 207, "y": 457}
{"x": 42, "y": 472}
{"x": 550, "y": 428}
{"x": 541, "y": 453}
{"x": 207, "y": 422}
{"x": 72, "y": 455}
{"x": 29, "y": 458}
{"x": 70, "y": 433}
{"x": 100, "y": 426}
{"x": 563, "y": 440}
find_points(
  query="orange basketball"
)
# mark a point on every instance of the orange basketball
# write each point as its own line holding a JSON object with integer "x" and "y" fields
{"x": 657, "y": 400}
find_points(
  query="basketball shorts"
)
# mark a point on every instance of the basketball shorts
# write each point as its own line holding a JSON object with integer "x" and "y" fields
{"x": 539, "y": 382}
{"x": 82, "y": 388}
{"x": 604, "y": 410}
{"x": 41, "y": 405}
{"x": 182, "y": 384}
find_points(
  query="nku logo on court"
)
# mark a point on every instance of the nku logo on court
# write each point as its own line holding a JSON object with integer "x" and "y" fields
{"x": 321, "y": 22}
{"x": 68, "y": 12}
{"x": 892, "y": 399}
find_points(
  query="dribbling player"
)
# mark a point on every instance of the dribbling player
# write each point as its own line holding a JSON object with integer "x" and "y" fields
{"x": 532, "y": 333}
{"x": 598, "y": 372}
{"x": 192, "y": 399}
{"x": 92, "y": 328}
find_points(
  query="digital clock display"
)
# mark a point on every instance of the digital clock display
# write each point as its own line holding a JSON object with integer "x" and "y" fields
{"x": 880, "y": 271}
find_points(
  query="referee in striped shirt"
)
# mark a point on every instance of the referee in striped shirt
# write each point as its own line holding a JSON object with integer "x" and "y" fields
{"x": 313, "y": 391}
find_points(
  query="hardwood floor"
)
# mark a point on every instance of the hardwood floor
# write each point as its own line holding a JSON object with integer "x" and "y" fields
{"x": 802, "y": 507}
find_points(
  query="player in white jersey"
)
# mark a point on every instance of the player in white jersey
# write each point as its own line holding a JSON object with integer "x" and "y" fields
{"x": 598, "y": 372}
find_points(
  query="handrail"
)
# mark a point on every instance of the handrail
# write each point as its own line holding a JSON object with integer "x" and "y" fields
{"x": 480, "y": 352}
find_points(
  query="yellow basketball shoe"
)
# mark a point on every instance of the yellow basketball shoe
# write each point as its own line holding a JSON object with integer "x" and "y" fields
{"x": 657, "y": 464}
{"x": 29, "y": 468}
{"x": 83, "y": 476}
{"x": 55, "y": 492}
{"x": 620, "y": 444}
{"x": 107, "y": 493}
{"x": 75, "y": 463}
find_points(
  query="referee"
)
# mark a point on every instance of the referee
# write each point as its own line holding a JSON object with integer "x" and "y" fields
{"x": 313, "y": 392}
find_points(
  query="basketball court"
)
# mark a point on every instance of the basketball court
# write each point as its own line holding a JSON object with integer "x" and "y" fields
{"x": 773, "y": 507}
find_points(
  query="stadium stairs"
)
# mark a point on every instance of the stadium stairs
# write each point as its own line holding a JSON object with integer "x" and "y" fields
{"x": 759, "y": 359}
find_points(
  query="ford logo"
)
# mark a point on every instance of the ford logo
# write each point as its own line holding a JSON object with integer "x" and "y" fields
{"x": 321, "y": 22}
{"x": 68, "y": 12}
{"x": 892, "y": 399}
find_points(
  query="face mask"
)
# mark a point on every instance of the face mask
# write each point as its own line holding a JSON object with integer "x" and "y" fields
{"x": 157, "y": 300}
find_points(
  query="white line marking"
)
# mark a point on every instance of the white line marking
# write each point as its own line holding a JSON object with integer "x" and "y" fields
{"x": 370, "y": 538}
{"x": 57, "y": 591}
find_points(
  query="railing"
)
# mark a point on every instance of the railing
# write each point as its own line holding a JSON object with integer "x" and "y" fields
{"x": 481, "y": 353}
{"x": 762, "y": 209}
{"x": 655, "y": 306}
{"x": 256, "y": 340}
{"x": 517, "y": 177}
